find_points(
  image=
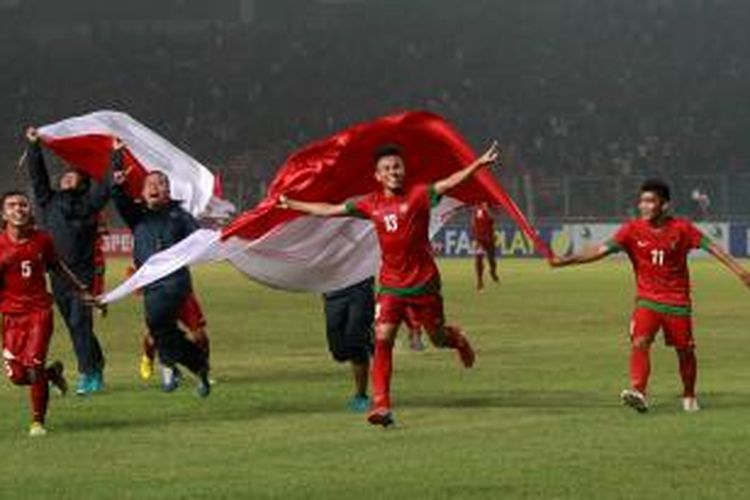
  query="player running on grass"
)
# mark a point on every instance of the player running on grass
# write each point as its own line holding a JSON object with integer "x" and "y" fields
{"x": 26, "y": 256}
{"x": 409, "y": 277}
{"x": 658, "y": 245}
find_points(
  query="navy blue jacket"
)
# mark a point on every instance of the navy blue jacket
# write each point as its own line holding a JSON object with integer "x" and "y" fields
{"x": 70, "y": 215}
{"x": 154, "y": 230}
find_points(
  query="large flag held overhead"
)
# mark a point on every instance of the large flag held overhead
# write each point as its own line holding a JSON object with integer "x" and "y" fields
{"x": 294, "y": 251}
{"x": 85, "y": 142}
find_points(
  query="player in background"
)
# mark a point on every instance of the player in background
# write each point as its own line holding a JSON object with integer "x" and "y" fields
{"x": 409, "y": 278}
{"x": 483, "y": 234}
{"x": 658, "y": 245}
{"x": 157, "y": 223}
{"x": 350, "y": 314}
{"x": 70, "y": 215}
{"x": 26, "y": 256}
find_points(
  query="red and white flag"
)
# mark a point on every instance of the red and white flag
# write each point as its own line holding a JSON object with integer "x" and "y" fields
{"x": 294, "y": 251}
{"x": 85, "y": 142}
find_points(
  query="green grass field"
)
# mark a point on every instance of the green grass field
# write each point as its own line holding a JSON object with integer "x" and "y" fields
{"x": 538, "y": 417}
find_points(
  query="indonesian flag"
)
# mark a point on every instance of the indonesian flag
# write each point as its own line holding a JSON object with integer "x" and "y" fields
{"x": 85, "y": 142}
{"x": 294, "y": 251}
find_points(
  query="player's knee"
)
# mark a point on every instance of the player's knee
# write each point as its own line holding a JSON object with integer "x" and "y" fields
{"x": 17, "y": 375}
{"x": 642, "y": 343}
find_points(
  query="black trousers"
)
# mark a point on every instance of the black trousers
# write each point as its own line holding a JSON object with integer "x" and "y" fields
{"x": 79, "y": 320}
{"x": 162, "y": 305}
{"x": 349, "y": 324}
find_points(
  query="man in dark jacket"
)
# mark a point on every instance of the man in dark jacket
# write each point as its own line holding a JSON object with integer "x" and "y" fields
{"x": 70, "y": 214}
{"x": 158, "y": 223}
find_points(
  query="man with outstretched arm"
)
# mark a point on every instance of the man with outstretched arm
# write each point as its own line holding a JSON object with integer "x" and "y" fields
{"x": 157, "y": 223}
{"x": 409, "y": 278}
{"x": 658, "y": 245}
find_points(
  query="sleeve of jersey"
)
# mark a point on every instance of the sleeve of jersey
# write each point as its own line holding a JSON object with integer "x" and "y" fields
{"x": 433, "y": 196}
{"x": 619, "y": 241}
{"x": 359, "y": 207}
{"x": 696, "y": 238}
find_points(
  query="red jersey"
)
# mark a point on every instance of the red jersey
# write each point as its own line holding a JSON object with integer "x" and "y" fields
{"x": 402, "y": 223}
{"x": 23, "y": 272}
{"x": 483, "y": 225}
{"x": 659, "y": 258}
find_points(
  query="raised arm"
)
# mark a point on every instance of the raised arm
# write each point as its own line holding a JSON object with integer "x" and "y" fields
{"x": 490, "y": 156}
{"x": 319, "y": 209}
{"x": 128, "y": 209}
{"x": 730, "y": 262}
{"x": 40, "y": 181}
{"x": 99, "y": 195}
{"x": 591, "y": 254}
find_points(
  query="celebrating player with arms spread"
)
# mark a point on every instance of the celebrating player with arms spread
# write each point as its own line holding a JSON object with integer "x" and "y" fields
{"x": 658, "y": 245}
{"x": 409, "y": 277}
{"x": 26, "y": 255}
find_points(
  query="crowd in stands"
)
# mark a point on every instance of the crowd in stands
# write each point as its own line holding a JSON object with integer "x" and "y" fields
{"x": 584, "y": 87}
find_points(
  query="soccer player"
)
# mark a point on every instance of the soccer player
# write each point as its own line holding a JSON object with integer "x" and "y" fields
{"x": 70, "y": 214}
{"x": 350, "y": 313}
{"x": 483, "y": 233}
{"x": 26, "y": 255}
{"x": 658, "y": 245}
{"x": 158, "y": 223}
{"x": 409, "y": 278}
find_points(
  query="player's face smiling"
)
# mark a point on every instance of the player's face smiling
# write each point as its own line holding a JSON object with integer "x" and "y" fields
{"x": 155, "y": 190}
{"x": 651, "y": 206}
{"x": 17, "y": 211}
{"x": 390, "y": 172}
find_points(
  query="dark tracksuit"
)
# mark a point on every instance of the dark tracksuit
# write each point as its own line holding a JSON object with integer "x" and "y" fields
{"x": 71, "y": 216}
{"x": 154, "y": 231}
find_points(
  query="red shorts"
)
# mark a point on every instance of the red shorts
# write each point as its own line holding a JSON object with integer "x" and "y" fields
{"x": 678, "y": 330}
{"x": 419, "y": 311}
{"x": 191, "y": 314}
{"x": 26, "y": 338}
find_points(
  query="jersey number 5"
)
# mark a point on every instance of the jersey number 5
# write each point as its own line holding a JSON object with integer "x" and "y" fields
{"x": 26, "y": 269}
{"x": 391, "y": 223}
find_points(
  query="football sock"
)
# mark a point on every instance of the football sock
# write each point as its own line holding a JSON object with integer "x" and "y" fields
{"x": 382, "y": 368}
{"x": 688, "y": 371}
{"x": 640, "y": 368}
{"x": 39, "y": 392}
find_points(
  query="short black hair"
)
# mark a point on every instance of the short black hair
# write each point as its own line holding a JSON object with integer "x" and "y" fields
{"x": 12, "y": 192}
{"x": 387, "y": 150}
{"x": 657, "y": 186}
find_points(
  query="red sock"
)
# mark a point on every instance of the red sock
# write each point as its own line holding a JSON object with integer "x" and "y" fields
{"x": 640, "y": 368}
{"x": 479, "y": 269}
{"x": 688, "y": 372}
{"x": 39, "y": 392}
{"x": 382, "y": 368}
